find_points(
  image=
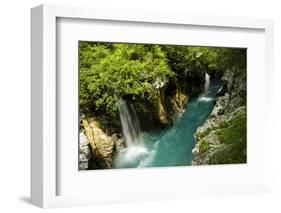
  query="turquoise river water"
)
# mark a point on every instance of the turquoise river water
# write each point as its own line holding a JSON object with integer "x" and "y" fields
{"x": 171, "y": 146}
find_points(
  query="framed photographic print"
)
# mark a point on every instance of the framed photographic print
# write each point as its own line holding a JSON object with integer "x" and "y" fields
{"x": 146, "y": 105}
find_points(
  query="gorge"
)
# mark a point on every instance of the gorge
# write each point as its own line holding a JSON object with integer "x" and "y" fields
{"x": 154, "y": 106}
{"x": 171, "y": 146}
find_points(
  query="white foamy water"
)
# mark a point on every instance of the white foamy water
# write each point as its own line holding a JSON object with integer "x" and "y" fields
{"x": 135, "y": 149}
{"x": 205, "y": 99}
{"x": 169, "y": 147}
{"x": 151, "y": 156}
{"x": 207, "y": 82}
{"x": 130, "y": 124}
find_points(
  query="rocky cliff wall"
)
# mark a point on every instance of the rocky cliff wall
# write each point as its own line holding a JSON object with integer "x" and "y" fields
{"x": 222, "y": 138}
{"x": 158, "y": 112}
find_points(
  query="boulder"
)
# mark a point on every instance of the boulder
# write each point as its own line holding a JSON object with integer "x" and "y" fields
{"x": 102, "y": 145}
{"x": 84, "y": 152}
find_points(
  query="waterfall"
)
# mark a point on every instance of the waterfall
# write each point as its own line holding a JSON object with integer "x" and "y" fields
{"x": 204, "y": 97}
{"x": 207, "y": 82}
{"x": 135, "y": 150}
{"x": 130, "y": 123}
{"x": 171, "y": 146}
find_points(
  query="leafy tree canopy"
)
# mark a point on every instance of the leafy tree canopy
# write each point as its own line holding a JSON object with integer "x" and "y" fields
{"x": 110, "y": 71}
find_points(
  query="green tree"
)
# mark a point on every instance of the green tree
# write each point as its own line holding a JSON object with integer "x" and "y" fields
{"x": 109, "y": 72}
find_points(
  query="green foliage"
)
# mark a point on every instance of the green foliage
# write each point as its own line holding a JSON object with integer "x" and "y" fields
{"x": 110, "y": 71}
{"x": 204, "y": 133}
{"x": 235, "y": 130}
{"x": 203, "y": 146}
{"x": 193, "y": 60}
{"x": 231, "y": 57}
{"x": 234, "y": 136}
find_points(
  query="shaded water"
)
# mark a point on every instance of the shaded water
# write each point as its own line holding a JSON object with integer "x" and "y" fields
{"x": 171, "y": 146}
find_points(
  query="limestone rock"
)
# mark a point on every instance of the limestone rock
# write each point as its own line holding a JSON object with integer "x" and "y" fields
{"x": 207, "y": 141}
{"x": 119, "y": 142}
{"x": 162, "y": 113}
{"x": 221, "y": 104}
{"x": 178, "y": 102}
{"x": 102, "y": 145}
{"x": 84, "y": 151}
{"x": 231, "y": 104}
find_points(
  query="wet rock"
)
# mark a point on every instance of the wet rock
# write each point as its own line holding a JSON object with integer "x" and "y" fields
{"x": 119, "y": 142}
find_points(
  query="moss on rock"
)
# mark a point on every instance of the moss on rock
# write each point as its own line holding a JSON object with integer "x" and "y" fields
{"x": 223, "y": 142}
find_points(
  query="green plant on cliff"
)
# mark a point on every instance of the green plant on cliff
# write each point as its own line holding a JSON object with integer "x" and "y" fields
{"x": 234, "y": 136}
{"x": 204, "y": 146}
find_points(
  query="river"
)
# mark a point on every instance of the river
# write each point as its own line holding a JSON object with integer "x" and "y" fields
{"x": 171, "y": 146}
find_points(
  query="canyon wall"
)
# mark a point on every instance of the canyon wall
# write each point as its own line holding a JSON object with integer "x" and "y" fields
{"x": 222, "y": 138}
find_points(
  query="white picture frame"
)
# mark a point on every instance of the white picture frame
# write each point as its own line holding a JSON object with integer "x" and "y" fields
{"x": 44, "y": 149}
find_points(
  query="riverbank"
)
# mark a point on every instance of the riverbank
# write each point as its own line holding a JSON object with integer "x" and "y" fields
{"x": 222, "y": 138}
{"x": 141, "y": 104}
{"x": 173, "y": 145}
